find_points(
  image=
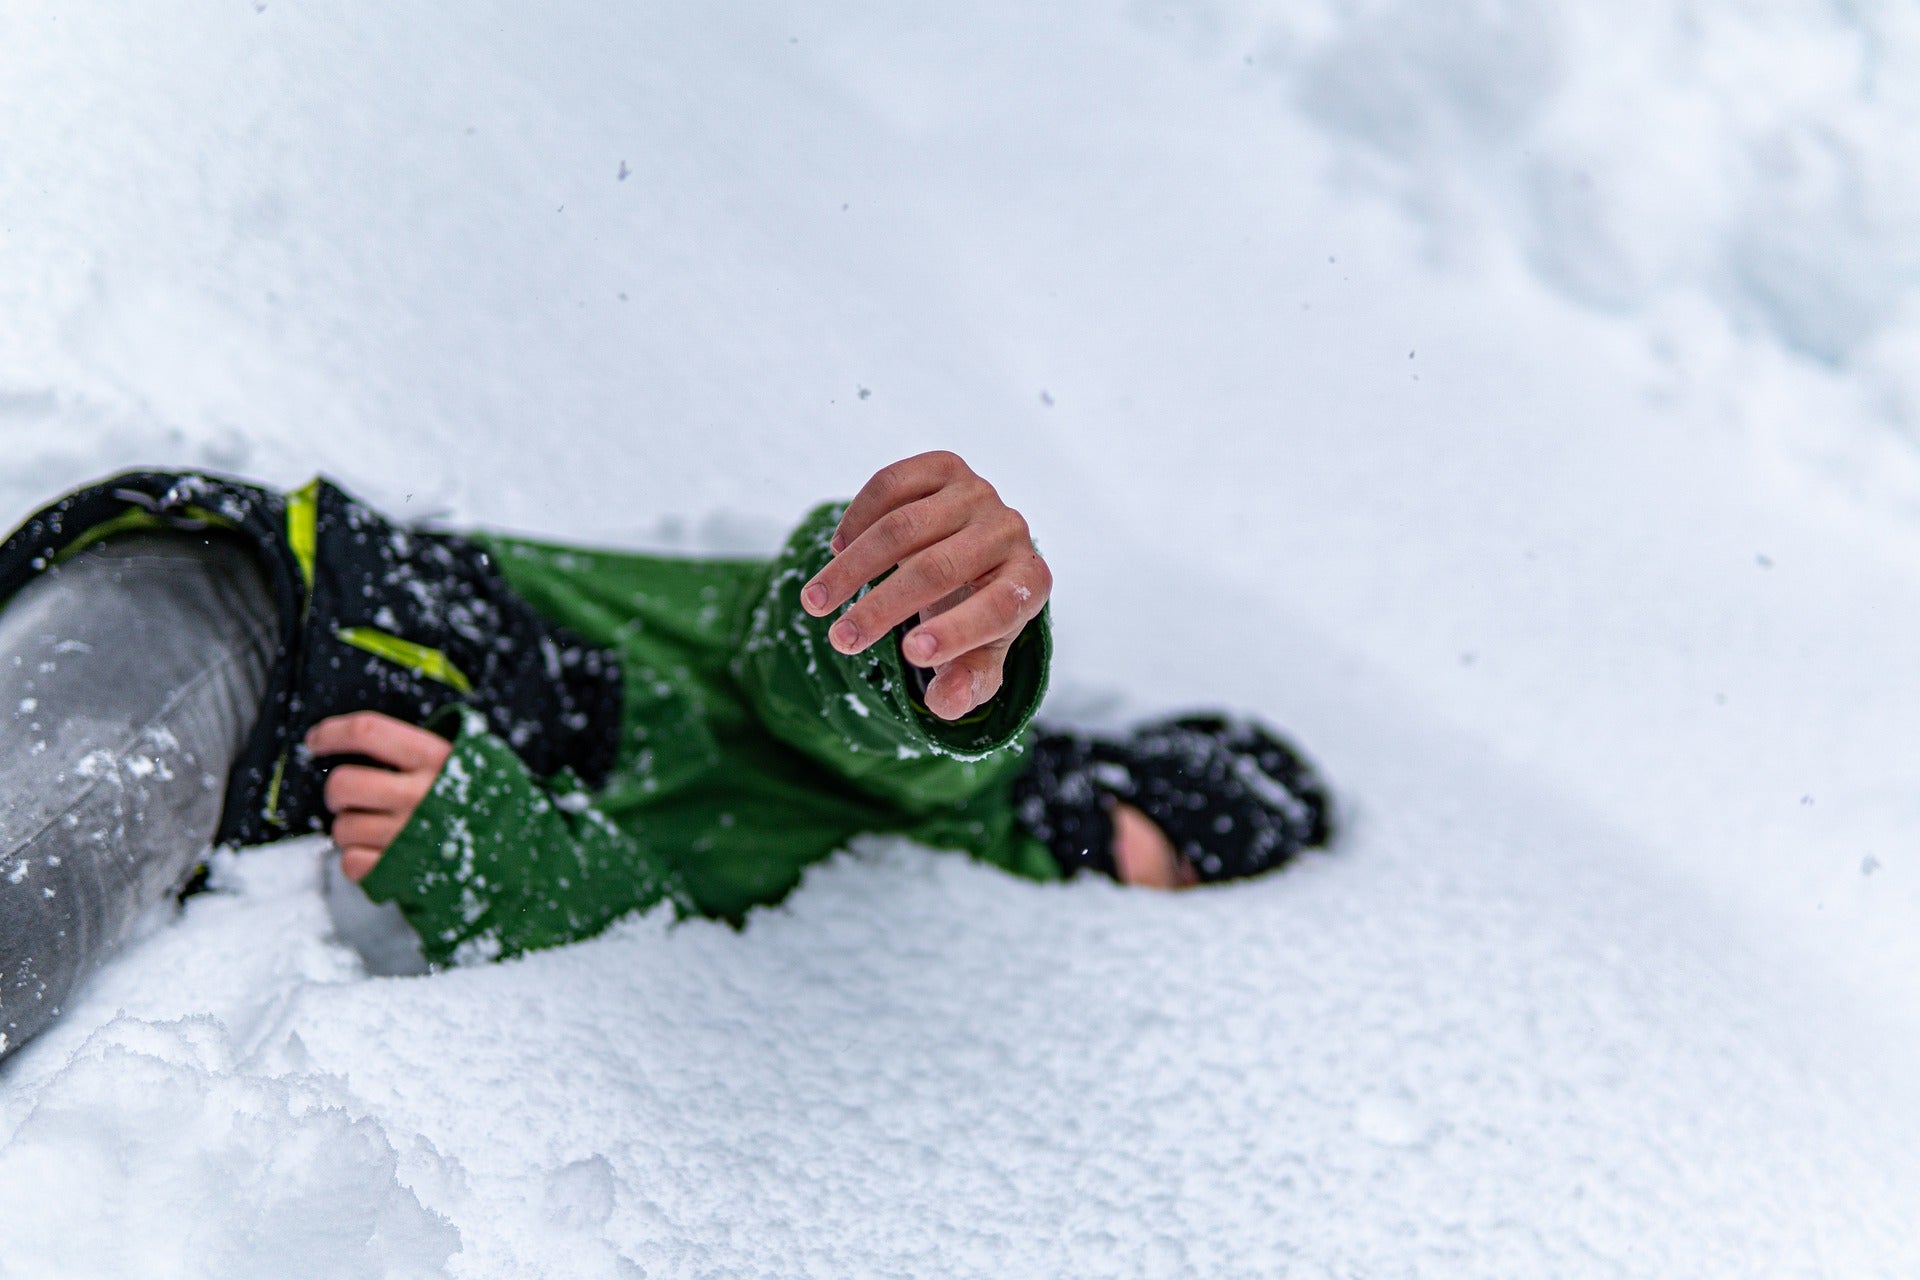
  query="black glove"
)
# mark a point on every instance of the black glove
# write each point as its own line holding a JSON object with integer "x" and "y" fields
{"x": 1233, "y": 798}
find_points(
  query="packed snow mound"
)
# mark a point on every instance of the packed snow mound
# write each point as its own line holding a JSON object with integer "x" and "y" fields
{"x": 204, "y": 1170}
{"x": 1462, "y": 1044}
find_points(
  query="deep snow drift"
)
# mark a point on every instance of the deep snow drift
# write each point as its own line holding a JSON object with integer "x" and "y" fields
{"x": 1520, "y": 407}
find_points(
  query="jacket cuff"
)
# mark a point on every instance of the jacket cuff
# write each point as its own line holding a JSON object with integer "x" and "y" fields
{"x": 421, "y": 871}
{"x": 1000, "y": 720}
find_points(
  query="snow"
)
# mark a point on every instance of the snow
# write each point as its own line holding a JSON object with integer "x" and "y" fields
{"x": 1519, "y": 404}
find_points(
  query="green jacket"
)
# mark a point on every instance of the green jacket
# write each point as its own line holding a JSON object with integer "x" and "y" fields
{"x": 749, "y": 749}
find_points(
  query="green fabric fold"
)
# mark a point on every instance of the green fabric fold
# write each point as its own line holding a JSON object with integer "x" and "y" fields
{"x": 495, "y": 862}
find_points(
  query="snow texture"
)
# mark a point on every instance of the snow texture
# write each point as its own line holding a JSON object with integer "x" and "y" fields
{"x": 1519, "y": 404}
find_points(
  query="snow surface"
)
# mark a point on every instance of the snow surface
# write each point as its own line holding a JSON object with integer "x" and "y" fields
{"x": 1522, "y": 405}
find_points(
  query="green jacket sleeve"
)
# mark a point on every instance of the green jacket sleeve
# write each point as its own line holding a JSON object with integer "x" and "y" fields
{"x": 857, "y": 714}
{"x": 495, "y": 862}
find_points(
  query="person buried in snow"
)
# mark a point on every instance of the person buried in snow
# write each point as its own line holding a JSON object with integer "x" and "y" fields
{"x": 518, "y": 742}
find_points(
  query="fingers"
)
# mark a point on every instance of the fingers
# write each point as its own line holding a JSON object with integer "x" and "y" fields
{"x": 946, "y": 602}
{"x": 895, "y": 486}
{"x": 960, "y": 559}
{"x": 940, "y": 544}
{"x": 888, "y": 541}
{"x": 361, "y": 828}
{"x": 354, "y": 786}
{"x": 925, "y": 580}
{"x": 967, "y": 681}
{"x": 373, "y": 805}
{"x": 381, "y": 737}
{"x": 994, "y": 612}
{"x": 356, "y": 862}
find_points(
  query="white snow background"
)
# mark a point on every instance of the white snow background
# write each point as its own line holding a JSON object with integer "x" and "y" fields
{"x": 1519, "y": 403}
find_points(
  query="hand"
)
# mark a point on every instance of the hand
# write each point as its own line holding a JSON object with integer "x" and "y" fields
{"x": 370, "y": 806}
{"x": 966, "y": 565}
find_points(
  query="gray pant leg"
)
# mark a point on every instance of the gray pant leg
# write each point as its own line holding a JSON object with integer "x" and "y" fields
{"x": 129, "y": 679}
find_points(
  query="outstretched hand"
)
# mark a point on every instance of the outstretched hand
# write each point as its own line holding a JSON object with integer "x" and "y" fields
{"x": 966, "y": 567}
{"x": 372, "y": 805}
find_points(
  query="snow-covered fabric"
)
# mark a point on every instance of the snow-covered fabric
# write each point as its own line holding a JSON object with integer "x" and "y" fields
{"x": 1060, "y": 799}
{"x": 495, "y": 861}
{"x": 1233, "y": 799}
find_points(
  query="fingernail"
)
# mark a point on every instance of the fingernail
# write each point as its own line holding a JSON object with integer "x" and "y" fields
{"x": 838, "y": 544}
{"x": 844, "y": 635}
{"x": 920, "y": 648}
{"x": 815, "y": 597}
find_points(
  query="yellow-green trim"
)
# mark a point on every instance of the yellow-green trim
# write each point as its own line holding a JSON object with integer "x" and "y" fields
{"x": 271, "y": 810}
{"x": 303, "y": 514}
{"x": 431, "y": 663}
{"x": 131, "y": 519}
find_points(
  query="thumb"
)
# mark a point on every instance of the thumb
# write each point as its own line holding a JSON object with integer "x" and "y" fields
{"x": 968, "y": 681}
{"x": 356, "y": 862}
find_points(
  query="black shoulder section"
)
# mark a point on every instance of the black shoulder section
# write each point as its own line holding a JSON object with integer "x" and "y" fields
{"x": 406, "y": 621}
